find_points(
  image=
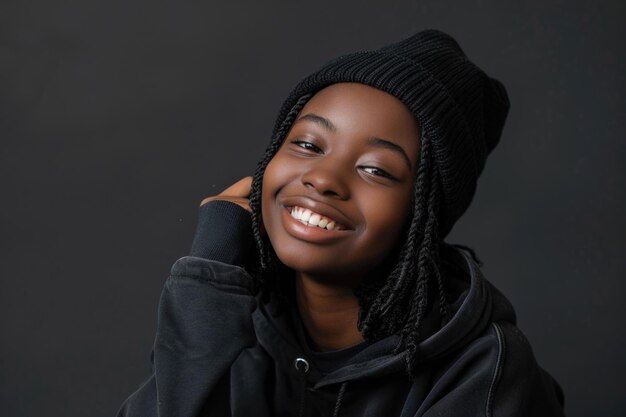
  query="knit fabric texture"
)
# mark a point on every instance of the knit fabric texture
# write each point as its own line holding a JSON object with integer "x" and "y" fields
{"x": 457, "y": 106}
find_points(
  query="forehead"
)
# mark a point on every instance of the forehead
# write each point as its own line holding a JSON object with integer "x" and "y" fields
{"x": 364, "y": 110}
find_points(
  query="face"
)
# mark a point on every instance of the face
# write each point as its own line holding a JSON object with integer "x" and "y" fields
{"x": 336, "y": 196}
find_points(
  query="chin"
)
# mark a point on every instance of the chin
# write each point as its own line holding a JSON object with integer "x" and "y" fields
{"x": 307, "y": 265}
{"x": 324, "y": 269}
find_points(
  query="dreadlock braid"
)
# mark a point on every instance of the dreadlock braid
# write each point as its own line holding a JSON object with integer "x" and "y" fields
{"x": 266, "y": 257}
{"x": 390, "y": 300}
{"x": 399, "y": 304}
{"x": 435, "y": 254}
{"x": 428, "y": 267}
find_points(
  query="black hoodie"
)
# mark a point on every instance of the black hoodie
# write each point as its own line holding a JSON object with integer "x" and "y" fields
{"x": 221, "y": 351}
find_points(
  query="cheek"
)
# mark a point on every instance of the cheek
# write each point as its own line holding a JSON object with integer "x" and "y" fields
{"x": 388, "y": 211}
{"x": 387, "y": 221}
{"x": 274, "y": 179}
{"x": 274, "y": 174}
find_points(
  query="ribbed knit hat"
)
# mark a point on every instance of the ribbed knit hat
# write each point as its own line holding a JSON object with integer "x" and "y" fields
{"x": 457, "y": 106}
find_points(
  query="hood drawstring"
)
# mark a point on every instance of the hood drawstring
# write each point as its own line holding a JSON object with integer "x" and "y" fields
{"x": 342, "y": 389}
{"x": 302, "y": 366}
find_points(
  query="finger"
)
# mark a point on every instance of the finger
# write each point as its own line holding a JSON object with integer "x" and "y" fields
{"x": 242, "y": 188}
{"x": 245, "y": 203}
{"x": 241, "y": 201}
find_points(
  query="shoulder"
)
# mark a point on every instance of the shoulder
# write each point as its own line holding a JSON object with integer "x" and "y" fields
{"x": 495, "y": 374}
{"x": 517, "y": 384}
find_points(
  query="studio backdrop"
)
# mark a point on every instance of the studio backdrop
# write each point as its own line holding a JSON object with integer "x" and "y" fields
{"x": 118, "y": 117}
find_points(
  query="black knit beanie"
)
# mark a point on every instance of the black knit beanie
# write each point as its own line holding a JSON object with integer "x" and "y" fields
{"x": 457, "y": 106}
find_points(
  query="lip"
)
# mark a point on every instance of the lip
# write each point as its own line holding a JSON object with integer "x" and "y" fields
{"x": 312, "y": 234}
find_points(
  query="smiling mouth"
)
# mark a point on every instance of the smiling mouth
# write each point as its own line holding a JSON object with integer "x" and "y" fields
{"x": 313, "y": 219}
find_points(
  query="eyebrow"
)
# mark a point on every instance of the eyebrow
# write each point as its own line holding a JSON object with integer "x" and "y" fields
{"x": 320, "y": 120}
{"x": 384, "y": 143}
{"x": 372, "y": 141}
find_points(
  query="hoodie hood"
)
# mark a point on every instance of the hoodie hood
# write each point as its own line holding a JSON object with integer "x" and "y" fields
{"x": 476, "y": 304}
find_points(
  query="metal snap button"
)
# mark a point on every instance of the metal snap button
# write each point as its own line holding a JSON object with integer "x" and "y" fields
{"x": 301, "y": 364}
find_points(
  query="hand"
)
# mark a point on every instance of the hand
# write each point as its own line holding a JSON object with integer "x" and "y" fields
{"x": 238, "y": 193}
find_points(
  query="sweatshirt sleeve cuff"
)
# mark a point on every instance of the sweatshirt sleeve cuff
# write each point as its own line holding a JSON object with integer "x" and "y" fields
{"x": 223, "y": 233}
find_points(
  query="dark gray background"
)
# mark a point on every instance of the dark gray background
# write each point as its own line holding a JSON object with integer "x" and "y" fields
{"x": 118, "y": 117}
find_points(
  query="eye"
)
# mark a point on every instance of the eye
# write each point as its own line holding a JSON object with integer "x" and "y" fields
{"x": 307, "y": 145}
{"x": 379, "y": 172}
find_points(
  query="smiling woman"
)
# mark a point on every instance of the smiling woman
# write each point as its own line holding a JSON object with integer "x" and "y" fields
{"x": 352, "y": 303}
{"x": 333, "y": 162}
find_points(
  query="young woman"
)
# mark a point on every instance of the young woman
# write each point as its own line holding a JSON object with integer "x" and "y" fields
{"x": 322, "y": 286}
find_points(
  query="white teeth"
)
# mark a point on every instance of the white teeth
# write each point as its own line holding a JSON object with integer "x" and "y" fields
{"x": 309, "y": 218}
{"x": 314, "y": 220}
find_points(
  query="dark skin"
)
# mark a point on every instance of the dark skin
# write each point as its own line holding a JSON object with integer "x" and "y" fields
{"x": 351, "y": 158}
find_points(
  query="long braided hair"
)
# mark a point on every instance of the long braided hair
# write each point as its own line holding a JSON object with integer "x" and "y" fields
{"x": 399, "y": 303}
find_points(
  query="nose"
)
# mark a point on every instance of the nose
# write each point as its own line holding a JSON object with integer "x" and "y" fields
{"x": 328, "y": 179}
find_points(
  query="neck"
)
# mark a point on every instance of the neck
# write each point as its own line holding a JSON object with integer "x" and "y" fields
{"x": 329, "y": 313}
